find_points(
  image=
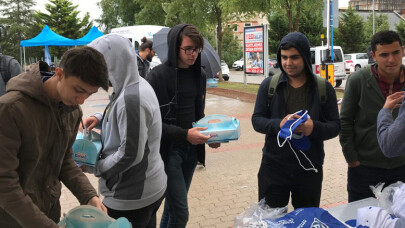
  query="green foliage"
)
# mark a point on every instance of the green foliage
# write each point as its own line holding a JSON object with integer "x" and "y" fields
{"x": 150, "y": 13}
{"x": 63, "y": 19}
{"x": 351, "y": 32}
{"x": 110, "y": 15}
{"x": 117, "y": 13}
{"x": 232, "y": 50}
{"x": 311, "y": 23}
{"x": 380, "y": 24}
{"x": 277, "y": 30}
{"x": 17, "y": 17}
{"x": 401, "y": 30}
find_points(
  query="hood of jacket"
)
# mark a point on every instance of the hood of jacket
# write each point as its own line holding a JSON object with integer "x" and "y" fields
{"x": 121, "y": 60}
{"x": 301, "y": 43}
{"x": 173, "y": 44}
{"x": 30, "y": 83}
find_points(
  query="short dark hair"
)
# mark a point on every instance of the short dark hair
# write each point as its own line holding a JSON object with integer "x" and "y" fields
{"x": 384, "y": 37}
{"x": 192, "y": 32}
{"x": 145, "y": 44}
{"x": 287, "y": 46}
{"x": 86, "y": 63}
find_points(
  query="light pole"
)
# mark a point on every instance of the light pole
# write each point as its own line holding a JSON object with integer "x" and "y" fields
{"x": 373, "y": 20}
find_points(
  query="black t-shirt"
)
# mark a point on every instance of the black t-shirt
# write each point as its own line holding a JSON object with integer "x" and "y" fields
{"x": 187, "y": 96}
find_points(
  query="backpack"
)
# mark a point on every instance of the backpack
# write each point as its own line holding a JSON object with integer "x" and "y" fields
{"x": 5, "y": 67}
{"x": 320, "y": 82}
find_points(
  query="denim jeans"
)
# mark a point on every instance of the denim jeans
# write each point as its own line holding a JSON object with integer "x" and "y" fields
{"x": 179, "y": 168}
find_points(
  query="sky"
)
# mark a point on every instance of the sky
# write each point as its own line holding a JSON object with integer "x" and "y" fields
{"x": 95, "y": 12}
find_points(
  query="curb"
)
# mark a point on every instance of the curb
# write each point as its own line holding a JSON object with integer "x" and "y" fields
{"x": 243, "y": 96}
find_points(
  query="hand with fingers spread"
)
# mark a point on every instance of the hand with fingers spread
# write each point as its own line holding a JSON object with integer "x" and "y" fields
{"x": 195, "y": 137}
{"x": 394, "y": 100}
{"x": 89, "y": 123}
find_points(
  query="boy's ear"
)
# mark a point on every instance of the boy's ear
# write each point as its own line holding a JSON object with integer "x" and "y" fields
{"x": 59, "y": 73}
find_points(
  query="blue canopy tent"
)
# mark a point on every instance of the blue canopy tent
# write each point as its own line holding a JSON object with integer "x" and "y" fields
{"x": 46, "y": 38}
{"x": 93, "y": 34}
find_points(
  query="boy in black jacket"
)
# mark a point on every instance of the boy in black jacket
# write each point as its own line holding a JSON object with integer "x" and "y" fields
{"x": 180, "y": 86}
{"x": 283, "y": 171}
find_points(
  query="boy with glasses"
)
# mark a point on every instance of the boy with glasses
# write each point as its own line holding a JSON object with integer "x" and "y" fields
{"x": 180, "y": 85}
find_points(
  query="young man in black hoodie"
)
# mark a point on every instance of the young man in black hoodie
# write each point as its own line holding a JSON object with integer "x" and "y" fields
{"x": 283, "y": 171}
{"x": 180, "y": 86}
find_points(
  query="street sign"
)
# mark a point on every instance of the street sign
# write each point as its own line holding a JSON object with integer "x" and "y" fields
{"x": 335, "y": 14}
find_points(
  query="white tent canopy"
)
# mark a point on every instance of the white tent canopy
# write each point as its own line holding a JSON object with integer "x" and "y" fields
{"x": 137, "y": 32}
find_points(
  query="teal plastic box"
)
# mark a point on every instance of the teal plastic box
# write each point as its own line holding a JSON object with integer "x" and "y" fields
{"x": 221, "y": 128}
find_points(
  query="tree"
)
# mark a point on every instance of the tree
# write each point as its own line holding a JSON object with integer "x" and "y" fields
{"x": 380, "y": 23}
{"x": 277, "y": 30}
{"x": 351, "y": 32}
{"x": 63, "y": 19}
{"x": 311, "y": 23}
{"x": 401, "y": 30}
{"x": 231, "y": 48}
{"x": 116, "y": 13}
{"x": 17, "y": 17}
{"x": 151, "y": 12}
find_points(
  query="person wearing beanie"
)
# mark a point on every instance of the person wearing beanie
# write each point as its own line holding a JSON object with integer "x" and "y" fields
{"x": 283, "y": 172}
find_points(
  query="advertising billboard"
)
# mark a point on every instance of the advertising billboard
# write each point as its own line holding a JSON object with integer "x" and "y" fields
{"x": 253, "y": 48}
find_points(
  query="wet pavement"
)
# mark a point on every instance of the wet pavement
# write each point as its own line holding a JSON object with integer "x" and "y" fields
{"x": 228, "y": 183}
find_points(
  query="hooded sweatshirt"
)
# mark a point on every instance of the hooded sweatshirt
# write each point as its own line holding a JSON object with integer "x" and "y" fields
{"x": 266, "y": 118}
{"x": 130, "y": 167}
{"x": 164, "y": 80}
{"x": 36, "y": 136}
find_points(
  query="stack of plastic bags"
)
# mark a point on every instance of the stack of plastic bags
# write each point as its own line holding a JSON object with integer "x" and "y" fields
{"x": 390, "y": 214}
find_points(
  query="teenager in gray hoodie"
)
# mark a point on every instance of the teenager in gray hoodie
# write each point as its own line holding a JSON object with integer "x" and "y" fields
{"x": 131, "y": 170}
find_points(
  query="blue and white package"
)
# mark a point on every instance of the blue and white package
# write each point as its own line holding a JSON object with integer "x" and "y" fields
{"x": 86, "y": 148}
{"x": 212, "y": 83}
{"x": 308, "y": 218}
{"x": 221, "y": 128}
{"x": 299, "y": 141}
{"x": 86, "y": 216}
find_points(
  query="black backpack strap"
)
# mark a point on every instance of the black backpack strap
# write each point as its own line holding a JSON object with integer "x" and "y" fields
{"x": 272, "y": 87}
{"x": 321, "y": 89}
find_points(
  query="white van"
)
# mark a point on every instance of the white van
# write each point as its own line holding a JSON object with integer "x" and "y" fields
{"x": 137, "y": 32}
{"x": 319, "y": 54}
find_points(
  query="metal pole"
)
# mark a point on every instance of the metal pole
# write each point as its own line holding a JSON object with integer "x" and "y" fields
{"x": 331, "y": 30}
{"x": 373, "y": 20}
{"x": 327, "y": 23}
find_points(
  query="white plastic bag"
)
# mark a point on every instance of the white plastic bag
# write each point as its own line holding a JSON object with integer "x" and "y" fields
{"x": 260, "y": 215}
{"x": 391, "y": 198}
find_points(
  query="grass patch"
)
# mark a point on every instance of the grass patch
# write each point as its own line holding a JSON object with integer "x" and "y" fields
{"x": 238, "y": 86}
{"x": 253, "y": 88}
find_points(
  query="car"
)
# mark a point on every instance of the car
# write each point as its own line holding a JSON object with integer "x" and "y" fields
{"x": 355, "y": 62}
{"x": 225, "y": 71}
{"x": 238, "y": 64}
{"x": 272, "y": 62}
{"x": 319, "y": 55}
{"x": 274, "y": 69}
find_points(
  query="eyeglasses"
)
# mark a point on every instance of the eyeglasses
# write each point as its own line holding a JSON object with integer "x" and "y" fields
{"x": 190, "y": 51}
